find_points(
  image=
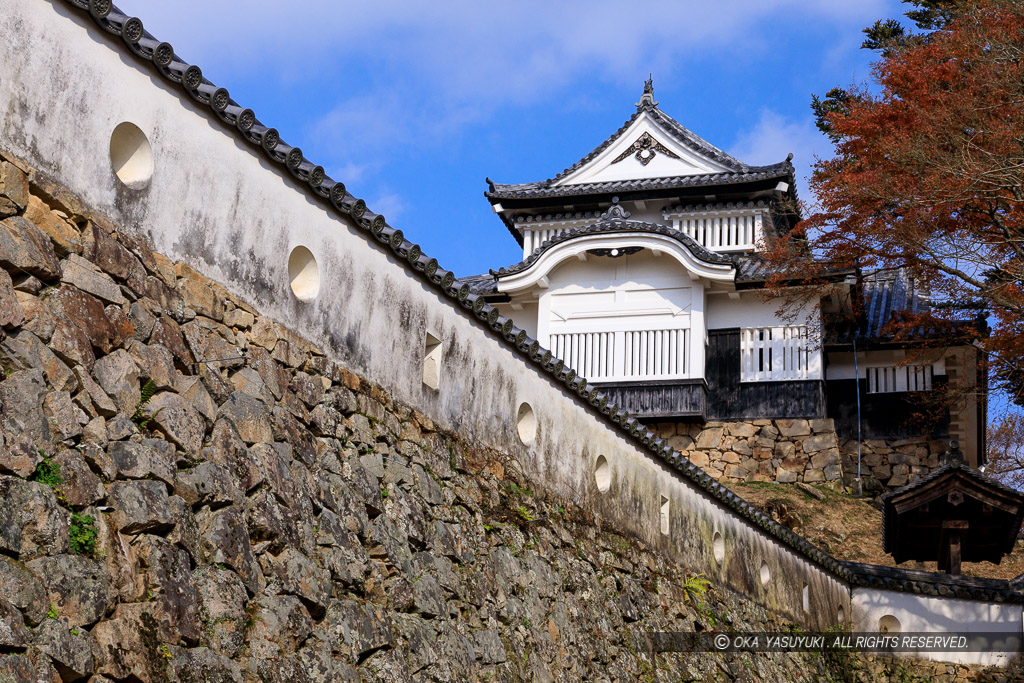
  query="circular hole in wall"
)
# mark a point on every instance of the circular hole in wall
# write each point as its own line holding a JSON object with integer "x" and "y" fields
{"x": 765, "y": 574}
{"x": 131, "y": 156}
{"x": 718, "y": 547}
{"x": 603, "y": 474}
{"x": 889, "y": 624}
{"x": 303, "y": 274}
{"x": 526, "y": 423}
{"x": 841, "y": 616}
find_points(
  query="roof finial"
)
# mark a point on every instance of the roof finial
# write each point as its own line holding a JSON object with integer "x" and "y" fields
{"x": 647, "y": 99}
{"x": 954, "y": 456}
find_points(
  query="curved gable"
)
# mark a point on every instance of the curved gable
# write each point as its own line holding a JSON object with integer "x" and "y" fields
{"x": 609, "y": 235}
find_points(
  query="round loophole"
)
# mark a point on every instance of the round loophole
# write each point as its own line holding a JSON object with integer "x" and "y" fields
{"x": 889, "y": 624}
{"x": 526, "y": 423}
{"x": 131, "y": 156}
{"x": 603, "y": 474}
{"x": 765, "y": 574}
{"x": 841, "y": 616}
{"x": 303, "y": 274}
{"x": 718, "y": 547}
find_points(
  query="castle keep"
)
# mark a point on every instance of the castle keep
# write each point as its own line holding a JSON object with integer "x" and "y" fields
{"x": 644, "y": 270}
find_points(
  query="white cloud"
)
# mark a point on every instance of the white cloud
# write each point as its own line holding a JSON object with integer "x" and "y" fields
{"x": 351, "y": 172}
{"x": 774, "y": 136}
{"x": 390, "y": 204}
{"x": 365, "y": 126}
{"x": 487, "y": 53}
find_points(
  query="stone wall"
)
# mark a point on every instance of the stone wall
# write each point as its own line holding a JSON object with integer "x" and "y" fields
{"x": 788, "y": 451}
{"x": 887, "y": 465}
{"x": 270, "y": 516}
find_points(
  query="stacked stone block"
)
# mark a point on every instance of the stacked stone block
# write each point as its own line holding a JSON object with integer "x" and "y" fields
{"x": 789, "y": 451}
{"x": 887, "y": 465}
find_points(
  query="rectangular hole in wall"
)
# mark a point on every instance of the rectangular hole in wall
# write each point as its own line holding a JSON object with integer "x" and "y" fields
{"x": 432, "y": 362}
{"x": 807, "y": 598}
{"x": 664, "y": 515}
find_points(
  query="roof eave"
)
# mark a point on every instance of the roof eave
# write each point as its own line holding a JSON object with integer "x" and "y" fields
{"x": 836, "y": 277}
{"x": 549, "y": 196}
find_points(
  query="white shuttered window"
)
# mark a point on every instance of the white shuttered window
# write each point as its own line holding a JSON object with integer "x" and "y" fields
{"x": 769, "y": 354}
{"x": 624, "y": 354}
{"x": 910, "y": 377}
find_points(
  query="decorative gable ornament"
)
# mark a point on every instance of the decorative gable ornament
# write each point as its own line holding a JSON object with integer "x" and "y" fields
{"x": 645, "y": 148}
{"x": 647, "y": 99}
{"x": 616, "y": 210}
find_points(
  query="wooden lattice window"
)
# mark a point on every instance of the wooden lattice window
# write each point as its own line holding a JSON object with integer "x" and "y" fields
{"x": 910, "y": 377}
{"x": 774, "y": 353}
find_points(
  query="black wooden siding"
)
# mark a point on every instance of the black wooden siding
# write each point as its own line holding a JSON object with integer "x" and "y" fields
{"x": 729, "y": 399}
{"x": 666, "y": 398}
{"x": 885, "y": 416}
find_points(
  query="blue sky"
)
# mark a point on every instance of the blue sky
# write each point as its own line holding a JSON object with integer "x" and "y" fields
{"x": 413, "y": 104}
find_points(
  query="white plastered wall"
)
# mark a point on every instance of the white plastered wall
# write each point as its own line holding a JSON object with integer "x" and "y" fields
{"x": 943, "y": 616}
{"x": 751, "y": 309}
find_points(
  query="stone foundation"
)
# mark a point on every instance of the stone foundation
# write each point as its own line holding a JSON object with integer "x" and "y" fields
{"x": 790, "y": 451}
{"x": 887, "y": 465}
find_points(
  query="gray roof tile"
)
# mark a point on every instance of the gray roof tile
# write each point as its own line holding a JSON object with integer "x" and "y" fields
{"x": 544, "y": 189}
{"x": 888, "y": 295}
{"x": 480, "y": 284}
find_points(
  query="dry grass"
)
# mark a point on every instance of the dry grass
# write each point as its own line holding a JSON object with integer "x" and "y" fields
{"x": 850, "y": 528}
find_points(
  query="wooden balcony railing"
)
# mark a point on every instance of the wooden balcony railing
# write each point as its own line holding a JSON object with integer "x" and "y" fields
{"x": 625, "y": 355}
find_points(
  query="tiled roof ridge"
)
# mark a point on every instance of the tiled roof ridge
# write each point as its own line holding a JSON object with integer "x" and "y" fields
{"x": 476, "y": 281}
{"x": 176, "y": 70}
{"x": 615, "y": 225}
{"x": 756, "y": 267}
{"x": 933, "y": 583}
{"x": 546, "y": 184}
{"x": 172, "y": 68}
{"x": 686, "y": 135}
{"x": 719, "y": 206}
{"x": 579, "y": 164}
{"x": 953, "y": 467}
{"x": 720, "y": 178}
{"x": 574, "y": 216}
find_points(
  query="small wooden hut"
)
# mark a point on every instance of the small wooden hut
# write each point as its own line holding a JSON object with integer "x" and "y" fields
{"x": 955, "y": 514}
